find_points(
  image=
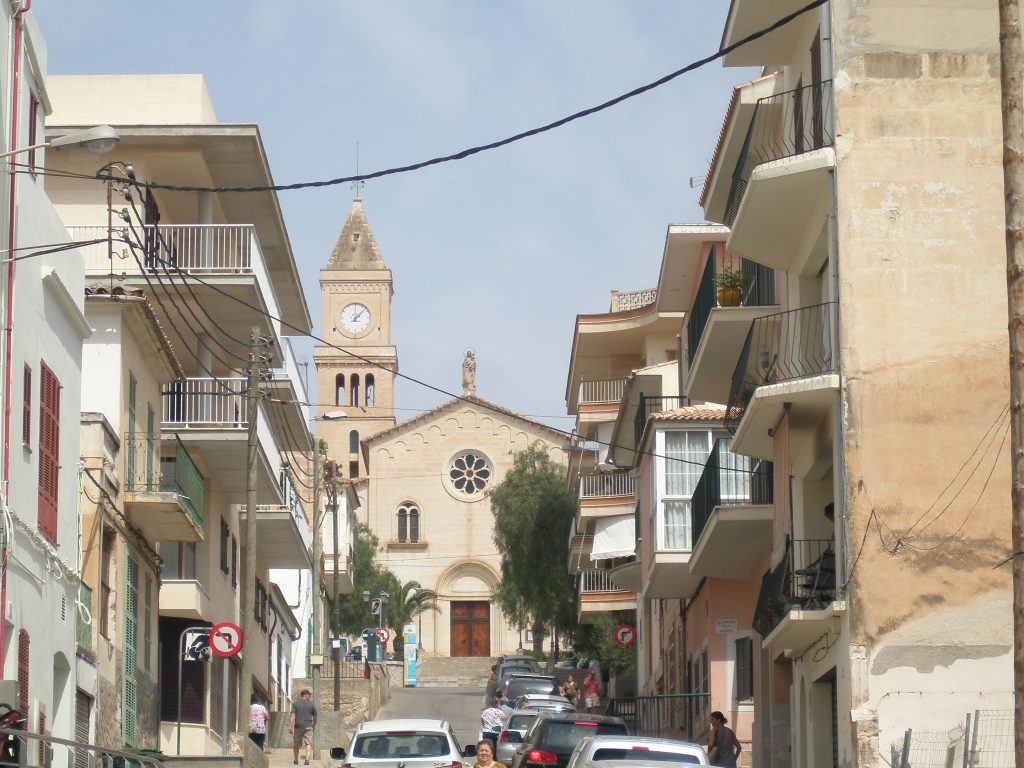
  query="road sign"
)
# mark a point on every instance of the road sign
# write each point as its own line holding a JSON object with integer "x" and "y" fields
{"x": 382, "y": 635}
{"x": 375, "y": 606}
{"x": 625, "y": 635}
{"x": 225, "y": 639}
{"x": 196, "y": 646}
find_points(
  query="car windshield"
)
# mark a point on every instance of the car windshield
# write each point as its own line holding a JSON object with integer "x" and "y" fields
{"x": 520, "y": 722}
{"x": 518, "y": 688}
{"x": 563, "y": 735}
{"x": 651, "y": 756}
{"x": 516, "y": 671}
{"x": 401, "y": 744}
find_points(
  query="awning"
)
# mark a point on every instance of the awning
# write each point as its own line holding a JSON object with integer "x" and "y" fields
{"x": 614, "y": 537}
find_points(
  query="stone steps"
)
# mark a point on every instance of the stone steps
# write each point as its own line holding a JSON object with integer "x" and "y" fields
{"x": 453, "y": 672}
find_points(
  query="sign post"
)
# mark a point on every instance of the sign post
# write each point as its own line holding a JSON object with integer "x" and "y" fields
{"x": 225, "y": 640}
{"x": 193, "y": 645}
{"x": 409, "y": 654}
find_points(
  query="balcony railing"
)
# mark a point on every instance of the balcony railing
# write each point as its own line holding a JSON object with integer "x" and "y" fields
{"x": 607, "y": 484}
{"x": 155, "y": 463}
{"x": 623, "y": 301}
{"x": 782, "y": 347}
{"x": 601, "y": 391}
{"x": 596, "y": 580}
{"x": 649, "y": 404}
{"x": 804, "y": 579}
{"x": 83, "y": 628}
{"x": 759, "y": 292}
{"x": 290, "y": 370}
{"x": 783, "y": 125}
{"x": 291, "y": 496}
{"x": 672, "y": 716}
{"x": 728, "y": 479}
{"x": 206, "y": 402}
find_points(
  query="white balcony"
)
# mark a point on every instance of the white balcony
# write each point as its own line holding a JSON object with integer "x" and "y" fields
{"x": 606, "y": 495}
{"x": 669, "y": 574}
{"x": 284, "y": 537}
{"x": 774, "y": 49}
{"x": 185, "y": 599}
{"x": 289, "y": 401}
{"x": 598, "y": 595}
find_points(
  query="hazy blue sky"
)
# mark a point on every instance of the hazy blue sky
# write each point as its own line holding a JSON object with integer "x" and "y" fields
{"x": 498, "y": 252}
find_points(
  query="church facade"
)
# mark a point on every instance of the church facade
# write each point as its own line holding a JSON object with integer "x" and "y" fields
{"x": 424, "y": 482}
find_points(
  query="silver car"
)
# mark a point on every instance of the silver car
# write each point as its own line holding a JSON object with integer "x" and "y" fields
{"x": 516, "y": 725}
{"x": 634, "y": 752}
{"x": 403, "y": 744}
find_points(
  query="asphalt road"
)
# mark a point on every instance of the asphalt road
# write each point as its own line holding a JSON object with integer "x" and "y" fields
{"x": 459, "y": 706}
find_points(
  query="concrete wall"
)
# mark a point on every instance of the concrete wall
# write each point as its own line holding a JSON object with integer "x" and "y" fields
{"x": 130, "y": 100}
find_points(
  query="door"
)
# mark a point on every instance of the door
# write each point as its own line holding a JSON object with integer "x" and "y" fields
{"x": 471, "y": 628}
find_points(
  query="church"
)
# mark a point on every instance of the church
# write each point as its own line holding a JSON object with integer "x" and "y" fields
{"x": 424, "y": 482}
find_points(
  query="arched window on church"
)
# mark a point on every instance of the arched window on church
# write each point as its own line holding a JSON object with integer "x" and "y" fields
{"x": 339, "y": 389}
{"x": 408, "y": 522}
{"x": 414, "y": 524}
{"x": 353, "y": 390}
{"x": 371, "y": 393}
{"x": 403, "y": 524}
{"x": 353, "y": 441}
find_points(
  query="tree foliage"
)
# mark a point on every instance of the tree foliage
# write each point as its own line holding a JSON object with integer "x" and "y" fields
{"x": 533, "y": 512}
{"x": 597, "y": 641}
{"x": 351, "y": 614}
{"x": 410, "y": 601}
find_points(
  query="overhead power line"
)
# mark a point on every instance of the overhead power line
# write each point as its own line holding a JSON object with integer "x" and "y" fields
{"x": 463, "y": 154}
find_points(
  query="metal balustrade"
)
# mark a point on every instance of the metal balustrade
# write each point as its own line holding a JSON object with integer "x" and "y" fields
{"x": 649, "y": 404}
{"x": 673, "y": 715}
{"x": 597, "y": 580}
{"x": 728, "y": 479}
{"x": 601, "y": 391}
{"x": 160, "y": 463}
{"x": 206, "y": 402}
{"x": 193, "y": 248}
{"x": 607, "y": 484}
{"x": 783, "y": 125}
{"x": 782, "y": 347}
{"x": 804, "y": 579}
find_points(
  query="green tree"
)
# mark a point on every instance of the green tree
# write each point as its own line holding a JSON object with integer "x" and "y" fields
{"x": 351, "y": 614}
{"x": 597, "y": 641}
{"x": 410, "y": 601}
{"x": 533, "y": 512}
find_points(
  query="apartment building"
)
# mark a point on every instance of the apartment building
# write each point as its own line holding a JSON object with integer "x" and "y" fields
{"x": 864, "y": 167}
{"x": 213, "y": 267}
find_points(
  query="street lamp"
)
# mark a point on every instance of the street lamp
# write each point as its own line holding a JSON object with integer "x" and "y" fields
{"x": 98, "y": 140}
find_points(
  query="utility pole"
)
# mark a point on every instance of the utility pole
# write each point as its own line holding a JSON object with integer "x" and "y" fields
{"x": 1010, "y": 59}
{"x": 317, "y": 603}
{"x": 337, "y": 585}
{"x": 255, "y": 381}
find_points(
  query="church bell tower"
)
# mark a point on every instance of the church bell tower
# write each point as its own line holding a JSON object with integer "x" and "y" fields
{"x": 355, "y": 292}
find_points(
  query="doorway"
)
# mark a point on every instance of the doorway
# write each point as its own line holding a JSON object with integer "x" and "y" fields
{"x": 471, "y": 628}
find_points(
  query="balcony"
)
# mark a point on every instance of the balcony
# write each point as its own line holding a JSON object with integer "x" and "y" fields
{"x": 598, "y": 399}
{"x": 780, "y": 183}
{"x": 797, "y": 600}
{"x": 715, "y": 333}
{"x": 227, "y": 257}
{"x": 650, "y": 404}
{"x": 289, "y": 398}
{"x": 598, "y": 595}
{"x": 606, "y": 494}
{"x": 787, "y": 358}
{"x": 346, "y": 565}
{"x": 731, "y": 515}
{"x": 163, "y": 490}
{"x": 775, "y": 48}
{"x": 285, "y": 539}
{"x": 184, "y": 599}
{"x": 211, "y": 417}
{"x": 580, "y": 546}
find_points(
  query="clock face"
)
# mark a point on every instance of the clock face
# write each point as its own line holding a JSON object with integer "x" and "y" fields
{"x": 355, "y": 318}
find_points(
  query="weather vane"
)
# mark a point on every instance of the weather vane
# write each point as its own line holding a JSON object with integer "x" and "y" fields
{"x": 358, "y": 184}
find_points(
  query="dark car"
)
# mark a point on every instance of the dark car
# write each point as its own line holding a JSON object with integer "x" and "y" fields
{"x": 505, "y": 668}
{"x": 553, "y": 736}
{"x": 520, "y": 685}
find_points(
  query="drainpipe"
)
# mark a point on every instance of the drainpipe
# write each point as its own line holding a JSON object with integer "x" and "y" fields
{"x": 8, "y": 314}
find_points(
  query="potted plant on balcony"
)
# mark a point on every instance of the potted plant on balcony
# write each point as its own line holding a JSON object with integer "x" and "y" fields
{"x": 731, "y": 283}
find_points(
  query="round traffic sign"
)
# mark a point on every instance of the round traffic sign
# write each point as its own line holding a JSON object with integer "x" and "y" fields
{"x": 382, "y": 635}
{"x": 625, "y": 635}
{"x": 225, "y": 639}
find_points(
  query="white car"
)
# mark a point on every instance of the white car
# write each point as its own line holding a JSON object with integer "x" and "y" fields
{"x": 403, "y": 744}
{"x": 634, "y": 752}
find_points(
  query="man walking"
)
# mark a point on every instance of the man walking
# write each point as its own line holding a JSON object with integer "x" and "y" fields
{"x": 301, "y": 723}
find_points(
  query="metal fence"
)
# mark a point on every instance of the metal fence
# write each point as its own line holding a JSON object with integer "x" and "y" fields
{"x": 728, "y": 479}
{"x": 54, "y": 751}
{"x": 607, "y": 484}
{"x": 672, "y": 715}
{"x": 985, "y": 740}
{"x": 597, "y": 580}
{"x": 654, "y": 404}
{"x": 601, "y": 391}
{"x": 161, "y": 463}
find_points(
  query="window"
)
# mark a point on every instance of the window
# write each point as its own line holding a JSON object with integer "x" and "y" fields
{"x": 469, "y": 474}
{"x": 131, "y": 437}
{"x": 129, "y": 694}
{"x": 744, "y": 669}
{"x": 339, "y": 389}
{"x": 179, "y": 559}
{"x": 371, "y": 389}
{"x": 734, "y": 475}
{"x": 49, "y": 451}
{"x": 353, "y": 469}
{"x": 106, "y": 557}
{"x": 234, "y": 562}
{"x": 26, "y": 406}
{"x": 353, "y": 386}
{"x": 403, "y": 524}
{"x": 33, "y": 128}
{"x": 225, "y": 535}
{"x": 147, "y": 638}
{"x": 686, "y": 454}
{"x": 414, "y": 525}
{"x": 23, "y": 669}
{"x": 408, "y": 522}
{"x": 353, "y": 441}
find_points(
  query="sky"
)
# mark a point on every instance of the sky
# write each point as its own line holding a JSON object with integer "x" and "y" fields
{"x": 498, "y": 252}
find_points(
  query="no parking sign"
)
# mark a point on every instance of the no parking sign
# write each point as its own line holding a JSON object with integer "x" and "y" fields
{"x": 625, "y": 635}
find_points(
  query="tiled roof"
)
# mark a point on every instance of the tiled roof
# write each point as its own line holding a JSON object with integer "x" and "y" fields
{"x": 705, "y": 412}
{"x": 138, "y": 297}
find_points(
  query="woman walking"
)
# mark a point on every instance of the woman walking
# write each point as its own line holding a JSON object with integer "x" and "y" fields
{"x": 723, "y": 746}
{"x": 258, "y": 717}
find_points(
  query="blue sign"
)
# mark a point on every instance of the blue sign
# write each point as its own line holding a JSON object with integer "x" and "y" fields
{"x": 409, "y": 654}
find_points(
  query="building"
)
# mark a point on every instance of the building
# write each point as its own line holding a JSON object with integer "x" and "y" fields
{"x": 213, "y": 267}
{"x": 422, "y": 482}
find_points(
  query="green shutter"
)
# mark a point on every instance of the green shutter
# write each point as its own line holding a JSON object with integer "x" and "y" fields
{"x": 147, "y": 632}
{"x": 130, "y": 436}
{"x": 150, "y": 446}
{"x": 129, "y": 698}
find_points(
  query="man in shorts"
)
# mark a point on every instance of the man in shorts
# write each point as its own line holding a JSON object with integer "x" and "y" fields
{"x": 301, "y": 723}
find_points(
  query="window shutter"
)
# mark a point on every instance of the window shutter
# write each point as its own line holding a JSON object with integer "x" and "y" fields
{"x": 150, "y": 446}
{"x": 131, "y": 437}
{"x": 49, "y": 451}
{"x": 26, "y": 407}
{"x": 147, "y": 649}
{"x": 23, "y": 659}
{"x": 131, "y": 637}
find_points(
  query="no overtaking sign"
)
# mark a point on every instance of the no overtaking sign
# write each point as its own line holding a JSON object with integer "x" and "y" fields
{"x": 225, "y": 639}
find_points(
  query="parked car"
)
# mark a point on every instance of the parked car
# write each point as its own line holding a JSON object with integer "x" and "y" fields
{"x": 553, "y": 737}
{"x": 537, "y": 701}
{"x": 505, "y": 668}
{"x": 520, "y": 685}
{"x": 516, "y": 725}
{"x": 597, "y": 751}
{"x": 409, "y": 743}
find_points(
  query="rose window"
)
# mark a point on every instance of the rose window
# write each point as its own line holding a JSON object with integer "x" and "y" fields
{"x": 469, "y": 473}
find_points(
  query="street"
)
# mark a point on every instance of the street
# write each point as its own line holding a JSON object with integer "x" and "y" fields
{"x": 460, "y": 706}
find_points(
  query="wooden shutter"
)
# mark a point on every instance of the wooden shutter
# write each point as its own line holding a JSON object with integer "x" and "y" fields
{"x": 129, "y": 699}
{"x": 49, "y": 451}
{"x": 26, "y": 407}
{"x": 43, "y": 746}
{"x": 23, "y": 661}
{"x": 83, "y": 705}
{"x": 147, "y": 648}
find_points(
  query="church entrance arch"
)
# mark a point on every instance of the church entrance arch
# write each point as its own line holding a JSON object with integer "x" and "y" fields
{"x": 467, "y": 587}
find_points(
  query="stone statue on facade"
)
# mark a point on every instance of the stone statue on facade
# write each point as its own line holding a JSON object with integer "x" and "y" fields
{"x": 469, "y": 373}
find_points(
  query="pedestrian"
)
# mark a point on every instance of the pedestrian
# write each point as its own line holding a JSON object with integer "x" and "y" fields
{"x": 258, "y": 717}
{"x": 723, "y": 746}
{"x": 571, "y": 691}
{"x": 592, "y": 691}
{"x": 301, "y": 723}
{"x": 485, "y": 755}
{"x": 492, "y": 718}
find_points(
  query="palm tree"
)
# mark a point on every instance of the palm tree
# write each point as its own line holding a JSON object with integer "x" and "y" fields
{"x": 411, "y": 601}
